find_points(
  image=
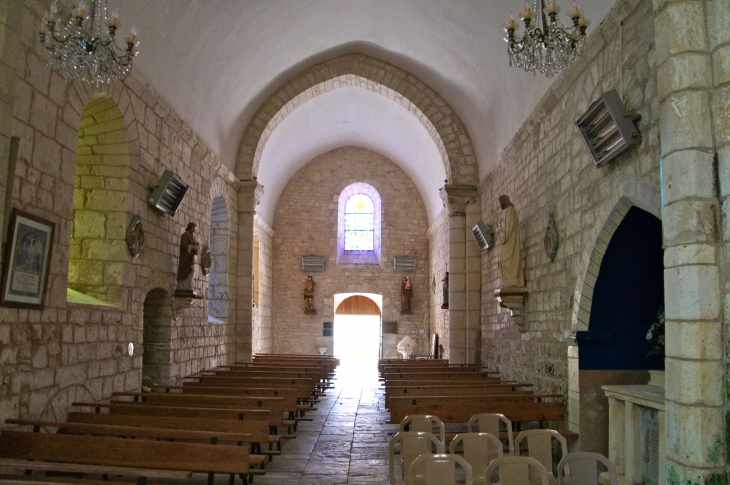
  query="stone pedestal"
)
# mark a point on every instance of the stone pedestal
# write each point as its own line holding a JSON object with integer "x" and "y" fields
{"x": 182, "y": 300}
{"x": 636, "y": 443}
{"x": 513, "y": 299}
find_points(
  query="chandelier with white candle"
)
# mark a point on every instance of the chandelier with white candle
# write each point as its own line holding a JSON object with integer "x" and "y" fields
{"x": 83, "y": 45}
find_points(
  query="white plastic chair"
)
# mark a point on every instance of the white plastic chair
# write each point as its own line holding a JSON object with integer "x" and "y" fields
{"x": 540, "y": 447}
{"x": 425, "y": 423}
{"x": 439, "y": 469}
{"x": 412, "y": 444}
{"x": 515, "y": 470}
{"x": 489, "y": 423}
{"x": 584, "y": 468}
{"x": 479, "y": 450}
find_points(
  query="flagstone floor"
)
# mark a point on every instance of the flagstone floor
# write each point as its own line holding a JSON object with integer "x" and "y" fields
{"x": 347, "y": 441}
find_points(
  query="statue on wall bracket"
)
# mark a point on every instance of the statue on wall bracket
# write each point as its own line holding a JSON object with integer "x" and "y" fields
{"x": 512, "y": 292}
{"x": 406, "y": 293}
{"x": 189, "y": 248}
{"x": 135, "y": 236}
{"x": 445, "y": 292}
{"x": 309, "y": 285}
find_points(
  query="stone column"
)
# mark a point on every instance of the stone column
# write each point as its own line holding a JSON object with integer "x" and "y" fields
{"x": 462, "y": 323}
{"x": 718, "y": 20}
{"x": 249, "y": 194}
{"x": 695, "y": 389}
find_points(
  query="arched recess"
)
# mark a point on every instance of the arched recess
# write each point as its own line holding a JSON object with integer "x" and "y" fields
{"x": 156, "y": 337}
{"x": 587, "y": 403}
{"x": 98, "y": 249}
{"x": 218, "y": 276}
{"x": 441, "y": 121}
{"x": 359, "y": 257}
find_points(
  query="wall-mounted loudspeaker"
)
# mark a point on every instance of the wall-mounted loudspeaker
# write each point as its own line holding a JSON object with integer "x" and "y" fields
{"x": 484, "y": 235}
{"x": 607, "y": 129}
{"x": 169, "y": 193}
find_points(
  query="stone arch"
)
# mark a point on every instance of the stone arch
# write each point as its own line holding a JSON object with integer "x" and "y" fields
{"x": 157, "y": 337}
{"x": 98, "y": 250}
{"x": 631, "y": 193}
{"x": 359, "y": 257}
{"x": 441, "y": 121}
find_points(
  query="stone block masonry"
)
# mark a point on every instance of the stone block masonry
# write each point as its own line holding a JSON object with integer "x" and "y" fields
{"x": 95, "y": 153}
{"x": 306, "y": 223}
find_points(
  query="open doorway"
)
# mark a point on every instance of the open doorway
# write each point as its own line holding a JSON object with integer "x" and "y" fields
{"x": 357, "y": 333}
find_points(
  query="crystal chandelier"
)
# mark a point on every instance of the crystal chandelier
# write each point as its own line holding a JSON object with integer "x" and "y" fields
{"x": 547, "y": 45}
{"x": 83, "y": 46}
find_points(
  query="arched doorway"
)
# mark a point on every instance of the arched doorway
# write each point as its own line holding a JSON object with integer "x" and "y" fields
{"x": 357, "y": 332}
{"x": 628, "y": 294}
{"x": 156, "y": 337}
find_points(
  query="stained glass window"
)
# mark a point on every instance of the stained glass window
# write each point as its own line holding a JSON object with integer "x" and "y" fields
{"x": 359, "y": 223}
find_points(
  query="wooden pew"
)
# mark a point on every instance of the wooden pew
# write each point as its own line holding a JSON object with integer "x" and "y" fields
{"x": 459, "y": 409}
{"x": 135, "y": 459}
{"x": 180, "y": 411}
{"x": 305, "y": 386}
{"x": 286, "y": 392}
{"x": 259, "y": 430}
{"x": 322, "y": 371}
{"x": 476, "y": 389}
{"x": 125, "y": 431}
{"x": 245, "y": 372}
{"x": 276, "y": 405}
{"x": 439, "y": 375}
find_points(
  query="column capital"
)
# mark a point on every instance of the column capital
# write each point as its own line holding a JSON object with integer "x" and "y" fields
{"x": 249, "y": 195}
{"x": 457, "y": 196}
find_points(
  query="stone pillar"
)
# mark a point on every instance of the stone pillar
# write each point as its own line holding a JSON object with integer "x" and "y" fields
{"x": 695, "y": 390}
{"x": 463, "y": 321}
{"x": 249, "y": 194}
{"x": 718, "y": 20}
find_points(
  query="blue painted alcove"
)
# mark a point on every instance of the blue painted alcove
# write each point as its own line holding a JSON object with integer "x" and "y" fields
{"x": 627, "y": 295}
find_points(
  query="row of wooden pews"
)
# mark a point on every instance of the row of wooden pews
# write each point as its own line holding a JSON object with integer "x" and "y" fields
{"x": 216, "y": 422}
{"x": 455, "y": 393}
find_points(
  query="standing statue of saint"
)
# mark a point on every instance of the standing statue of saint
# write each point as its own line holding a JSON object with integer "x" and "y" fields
{"x": 510, "y": 251}
{"x": 406, "y": 293}
{"x": 189, "y": 247}
{"x": 445, "y": 291}
{"x": 308, "y": 293}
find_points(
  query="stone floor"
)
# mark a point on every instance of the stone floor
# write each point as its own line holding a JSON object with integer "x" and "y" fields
{"x": 347, "y": 441}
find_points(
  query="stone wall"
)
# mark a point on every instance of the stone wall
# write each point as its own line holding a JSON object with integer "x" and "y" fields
{"x": 546, "y": 169}
{"x": 306, "y": 223}
{"x": 68, "y": 352}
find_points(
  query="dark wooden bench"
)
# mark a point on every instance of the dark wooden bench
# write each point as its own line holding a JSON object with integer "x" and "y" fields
{"x": 276, "y": 405}
{"x": 455, "y": 390}
{"x": 104, "y": 452}
{"x": 459, "y": 409}
{"x": 259, "y": 430}
{"x": 125, "y": 431}
{"x": 464, "y": 375}
{"x": 289, "y": 392}
{"x": 304, "y": 386}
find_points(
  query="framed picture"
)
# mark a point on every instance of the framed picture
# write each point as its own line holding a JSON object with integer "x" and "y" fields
{"x": 27, "y": 261}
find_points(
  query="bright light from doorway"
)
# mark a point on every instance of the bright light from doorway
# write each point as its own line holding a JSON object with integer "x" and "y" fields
{"x": 357, "y": 344}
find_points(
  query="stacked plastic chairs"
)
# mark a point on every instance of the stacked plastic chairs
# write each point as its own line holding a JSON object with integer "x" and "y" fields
{"x": 482, "y": 457}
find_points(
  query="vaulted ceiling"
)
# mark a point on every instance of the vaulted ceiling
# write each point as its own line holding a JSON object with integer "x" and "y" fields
{"x": 216, "y": 61}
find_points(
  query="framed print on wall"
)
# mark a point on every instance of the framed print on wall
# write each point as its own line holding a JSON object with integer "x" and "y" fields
{"x": 27, "y": 261}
